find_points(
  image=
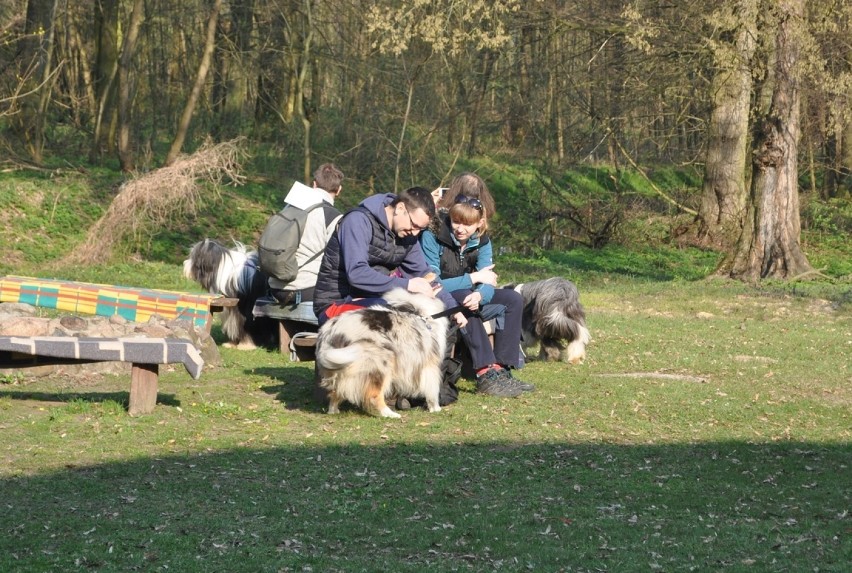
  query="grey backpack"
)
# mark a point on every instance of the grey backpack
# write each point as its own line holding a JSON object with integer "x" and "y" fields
{"x": 280, "y": 239}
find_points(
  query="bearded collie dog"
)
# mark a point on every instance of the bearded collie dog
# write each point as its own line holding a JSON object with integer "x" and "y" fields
{"x": 554, "y": 319}
{"x": 367, "y": 355}
{"x": 233, "y": 273}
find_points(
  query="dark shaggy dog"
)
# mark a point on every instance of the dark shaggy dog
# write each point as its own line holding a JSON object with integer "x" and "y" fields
{"x": 233, "y": 273}
{"x": 554, "y": 318}
{"x": 365, "y": 356}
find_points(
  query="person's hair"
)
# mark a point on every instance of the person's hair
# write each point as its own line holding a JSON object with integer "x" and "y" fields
{"x": 467, "y": 214}
{"x": 328, "y": 177}
{"x": 471, "y": 186}
{"x": 416, "y": 198}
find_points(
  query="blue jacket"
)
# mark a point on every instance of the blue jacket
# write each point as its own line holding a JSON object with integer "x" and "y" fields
{"x": 365, "y": 259}
{"x": 454, "y": 265}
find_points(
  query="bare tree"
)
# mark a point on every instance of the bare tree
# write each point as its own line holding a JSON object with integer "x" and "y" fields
{"x": 724, "y": 192}
{"x": 769, "y": 244}
{"x": 200, "y": 79}
{"x": 125, "y": 88}
{"x": 37, "y": 68}
{"x": 105, "y": 72}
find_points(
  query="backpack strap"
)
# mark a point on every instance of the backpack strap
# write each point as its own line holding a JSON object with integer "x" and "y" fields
{"x": 331, "y": 213}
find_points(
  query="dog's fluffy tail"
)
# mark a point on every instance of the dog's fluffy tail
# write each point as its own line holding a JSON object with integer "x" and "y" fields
{"x": 339, "y": 358}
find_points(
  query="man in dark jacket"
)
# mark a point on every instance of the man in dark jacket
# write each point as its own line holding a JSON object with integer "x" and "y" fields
{"x": 374, "y": 250}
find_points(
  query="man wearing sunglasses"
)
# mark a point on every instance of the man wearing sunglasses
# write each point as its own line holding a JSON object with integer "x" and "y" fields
{"x": 374, "y": 250}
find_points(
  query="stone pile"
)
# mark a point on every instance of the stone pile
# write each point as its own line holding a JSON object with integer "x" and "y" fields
{"x": 18, "y": 319}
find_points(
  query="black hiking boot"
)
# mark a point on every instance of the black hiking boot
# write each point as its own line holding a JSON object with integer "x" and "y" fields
{"x": 494, "y": 383}
{"x": 525, "y": 386}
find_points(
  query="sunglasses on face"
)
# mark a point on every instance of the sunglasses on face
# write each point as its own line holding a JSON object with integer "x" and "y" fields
{"x": 472, "y": 201}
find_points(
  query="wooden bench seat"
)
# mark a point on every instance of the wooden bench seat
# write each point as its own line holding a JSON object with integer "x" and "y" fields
{"x": 297, "y": 326}
{"x": 144, "y": 354}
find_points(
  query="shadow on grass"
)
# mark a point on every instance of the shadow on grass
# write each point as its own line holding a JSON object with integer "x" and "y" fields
{"x": 97, "y": 397}
{"x": 404, "y": 507}
{"x": 296, "y": 388}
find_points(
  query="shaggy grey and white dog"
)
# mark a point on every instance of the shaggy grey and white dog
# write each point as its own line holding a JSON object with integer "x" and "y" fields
{"x": 368, "y": 355}
{"x": 554, "y": 319}
{"x": 233, "y": 273}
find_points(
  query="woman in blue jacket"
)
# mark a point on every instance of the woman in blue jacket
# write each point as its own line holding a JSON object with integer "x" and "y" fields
{"x": 459, "y": 251}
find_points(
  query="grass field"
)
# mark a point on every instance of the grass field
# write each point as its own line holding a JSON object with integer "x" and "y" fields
{"x": 708, "y": 430}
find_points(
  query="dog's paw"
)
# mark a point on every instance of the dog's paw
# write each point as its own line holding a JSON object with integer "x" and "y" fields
{"x": 435, "y": 408}
{"x": 247, "y": 344}
{"x": 333, "y": 409}
{"x": 386, "y": 412}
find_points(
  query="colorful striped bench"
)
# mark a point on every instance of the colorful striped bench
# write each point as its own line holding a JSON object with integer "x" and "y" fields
{"x": 134, "y": 304}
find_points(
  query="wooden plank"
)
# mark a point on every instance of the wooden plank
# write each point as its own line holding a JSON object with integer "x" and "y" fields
{"x": 287, "y": 331}
{"x": 219, "y": 305}
{"x": 143, "y": 388}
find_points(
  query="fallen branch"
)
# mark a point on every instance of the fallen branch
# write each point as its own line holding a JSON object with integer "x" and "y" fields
{"x": 661, "y": 375}
{"x": 659, "y": 191}
{"x": 817, "y": 272}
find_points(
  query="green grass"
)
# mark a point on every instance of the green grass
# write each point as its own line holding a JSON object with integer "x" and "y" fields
{"x": 709, "y": 429}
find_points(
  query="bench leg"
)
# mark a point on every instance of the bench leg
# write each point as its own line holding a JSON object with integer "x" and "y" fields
{"x": 283, "y": 338}
{"x": 143, "y": 388}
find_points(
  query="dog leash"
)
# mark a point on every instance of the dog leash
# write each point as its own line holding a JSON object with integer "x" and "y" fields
{"x": 450, "y": 311}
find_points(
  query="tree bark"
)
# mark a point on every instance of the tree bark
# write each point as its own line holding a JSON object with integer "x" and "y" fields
{"x": 36, "y": 74}
{"x": 200, "y": 78}
{"x": 104, "y": 72}
{"x": 233, "y": 65}
{"x": 125, "y": 91}
{"x": 482, "y": 90}
{"x": 769, "y": 244}
{"x": 724, "y": 193}
{"x": 305, "y": 111}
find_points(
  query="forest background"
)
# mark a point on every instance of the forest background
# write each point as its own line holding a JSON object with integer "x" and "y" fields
{"x": 724, "y": 127}
{"x": 633, "y": 147}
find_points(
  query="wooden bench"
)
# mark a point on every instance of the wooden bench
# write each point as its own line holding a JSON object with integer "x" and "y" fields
{"x": 219, "y": 304}
{"x": 131, "y": 303}
{"x": 297, "y": 326}
{"x": 144, "y": 354}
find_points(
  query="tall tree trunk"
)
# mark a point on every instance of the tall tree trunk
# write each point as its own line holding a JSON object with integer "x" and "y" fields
{"x": 37, "y": 74}
{"x": 844, "y": 187}
{"x": 769, "y": 244}
{"x": 488, "y": 58}
{"x": 233, "y": 69}
{"x": 401, "y": 144}
{"x": 838, "y": 172}
{"x": 200, "y": 79}
{"x": 104, "y": 73}
{"x": 125, "y": 91}
{"x": 724, "y": 194}
{"x": 302, "y": 99}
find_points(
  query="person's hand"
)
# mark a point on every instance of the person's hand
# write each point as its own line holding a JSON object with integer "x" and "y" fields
{"x": 460, "y": 319}
{"x": 421, "y": 286}
{"x": 472, "y": 301}
{"x": 485, "y": 276}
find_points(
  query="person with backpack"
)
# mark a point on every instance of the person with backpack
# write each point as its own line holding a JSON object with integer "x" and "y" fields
{"x": 291, "y": 246}
{"x": 459, "y": 250}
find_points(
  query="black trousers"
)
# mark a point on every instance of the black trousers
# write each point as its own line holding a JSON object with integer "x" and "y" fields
{"x": 507, "y": 340}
